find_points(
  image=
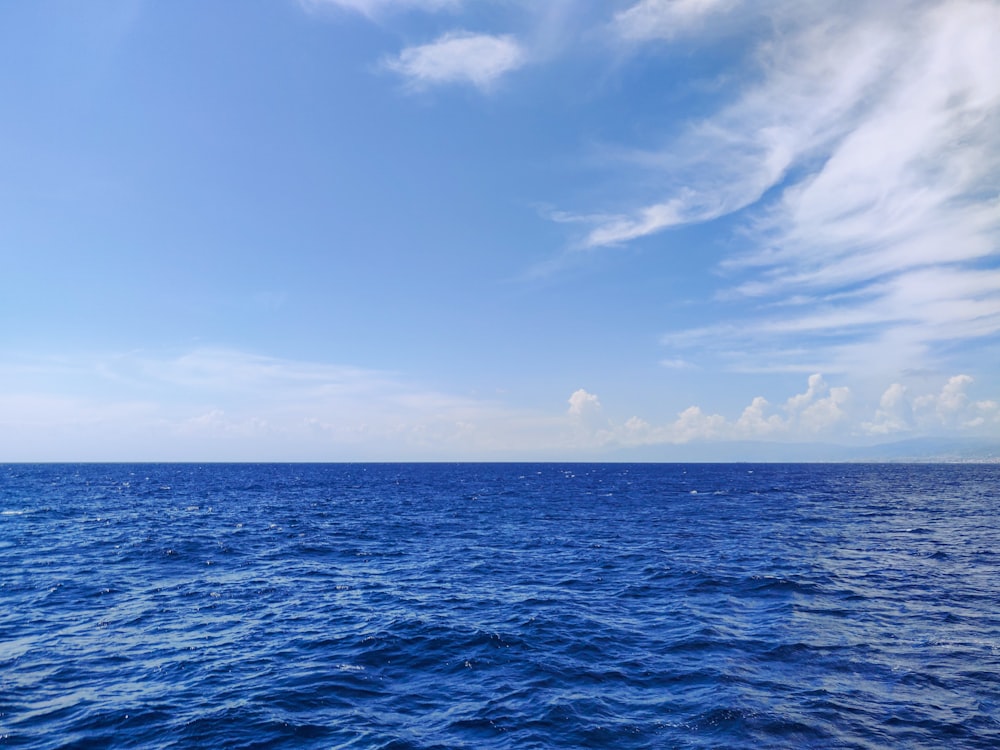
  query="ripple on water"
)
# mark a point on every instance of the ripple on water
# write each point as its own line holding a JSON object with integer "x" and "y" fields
{"x": 503, "y": 606}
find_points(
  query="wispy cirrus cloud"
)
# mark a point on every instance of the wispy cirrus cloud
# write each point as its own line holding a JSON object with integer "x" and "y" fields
{"x": 811, "y": 80}
{"x": 864, "y": 161}
{"x": 652, "y": 19}
{"x": 374, "y": 8}
{"x": 887, "y": 325}
{"x": 459, "y": 57}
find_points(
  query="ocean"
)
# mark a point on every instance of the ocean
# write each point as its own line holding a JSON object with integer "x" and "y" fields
{"x": 499, "y": 606}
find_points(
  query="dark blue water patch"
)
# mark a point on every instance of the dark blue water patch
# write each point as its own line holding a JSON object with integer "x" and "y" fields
{"x": 499, "y": 606}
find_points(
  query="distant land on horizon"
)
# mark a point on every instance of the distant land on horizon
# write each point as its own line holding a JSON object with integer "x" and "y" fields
{"x": 913, "y": 450}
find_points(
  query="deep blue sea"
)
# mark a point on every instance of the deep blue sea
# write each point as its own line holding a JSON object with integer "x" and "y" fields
{"x": 500, "y": 606}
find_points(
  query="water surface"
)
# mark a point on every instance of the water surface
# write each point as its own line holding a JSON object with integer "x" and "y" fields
{"x": 499, "y": 606}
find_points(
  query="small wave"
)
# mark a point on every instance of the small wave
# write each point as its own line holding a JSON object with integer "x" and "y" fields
{"x": 375, "y": 607}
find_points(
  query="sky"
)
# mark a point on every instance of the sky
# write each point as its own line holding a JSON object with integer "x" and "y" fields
{"x": 353, "y": 230}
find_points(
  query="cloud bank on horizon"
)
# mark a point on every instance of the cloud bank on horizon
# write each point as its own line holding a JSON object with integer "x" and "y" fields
{"x": 229, "y": 405}
{"x": 824, "y": 178}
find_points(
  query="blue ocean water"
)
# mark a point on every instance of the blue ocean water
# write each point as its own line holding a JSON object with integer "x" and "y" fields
{"x": 499, "y": 606}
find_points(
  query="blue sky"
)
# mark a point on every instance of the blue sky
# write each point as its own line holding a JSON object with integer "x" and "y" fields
{"x": 495, "y": 229}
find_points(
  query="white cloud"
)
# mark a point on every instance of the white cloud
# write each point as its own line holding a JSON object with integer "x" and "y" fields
{"x": 373, "y": 8}
{"x": 460, "y": 57}
{"x": 215, "y": 404}
{"x": 676, "y": 363}
{"x": 694, "y": 424}
{"x": 826, "y": 412}
{"x": 754, "y": 421}
{"x": 950, "y": 408}
{"x": 830, "y": 412}
{"x": 953, "y": 408}
{"x": 650, "y": 19}
{"x": 800, "y": 401}
{"x": 912, "y": 179}
{"x": 686, "y": 209}
{"x": 813, "y": 79}
{"x": 865, "y": 155}
{"x": 894, "y": 413}
{"x": 821, "y": 409}
{"x": 586, "y": 416}
{"x": 217, "y": 424}
{"x": 226, "y": 405}
{"x": 582, "y": 403}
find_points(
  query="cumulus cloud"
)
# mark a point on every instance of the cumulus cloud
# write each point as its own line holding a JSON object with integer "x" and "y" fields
{"x": 756, "y": 422}
{"x": 582, "y": 403}
{"x": 214, "y": 404}
{"x": 820, "y": 411}
{"x": 820, "y": 407}
{"x": 587, "y": 418}
{"x": 894, "y": 413}
{"x": 459, "y": 57}
{"x": 952, "y": 407}
{"x": 694, "y": 424}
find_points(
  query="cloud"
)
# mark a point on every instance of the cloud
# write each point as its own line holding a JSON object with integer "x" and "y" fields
{"x": 894, "y": 413}
{"x": 217, "y": 404}
{"x": 831, "y": 412}
{"x": 676, "y": 363}
{"x": 885, "y": 327}
{"x": 459, "y": 57}
{"x": 217, "y": 424}
{"x": 862, "y": 155}
{"x": 587, "y": 419}
{"x": 687, "y": 208}
{"x": 373, "y": 8}
{"x": 811, "y": 79}
{"x": 820, "y": 410}
{"x": 651, "y": 19}
{"x": 582, "y": 403}
{"x": 754, "y": 421}
{"x": 220, "y": 404}
{"x": 953, "y": 408}
{"x": 950, "y": 408}
{"x": 693, "y": 424}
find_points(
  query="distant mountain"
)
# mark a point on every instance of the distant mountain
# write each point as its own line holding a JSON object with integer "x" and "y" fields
{"x": 915, "y": 450}
{"x": 931, "y": 449}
